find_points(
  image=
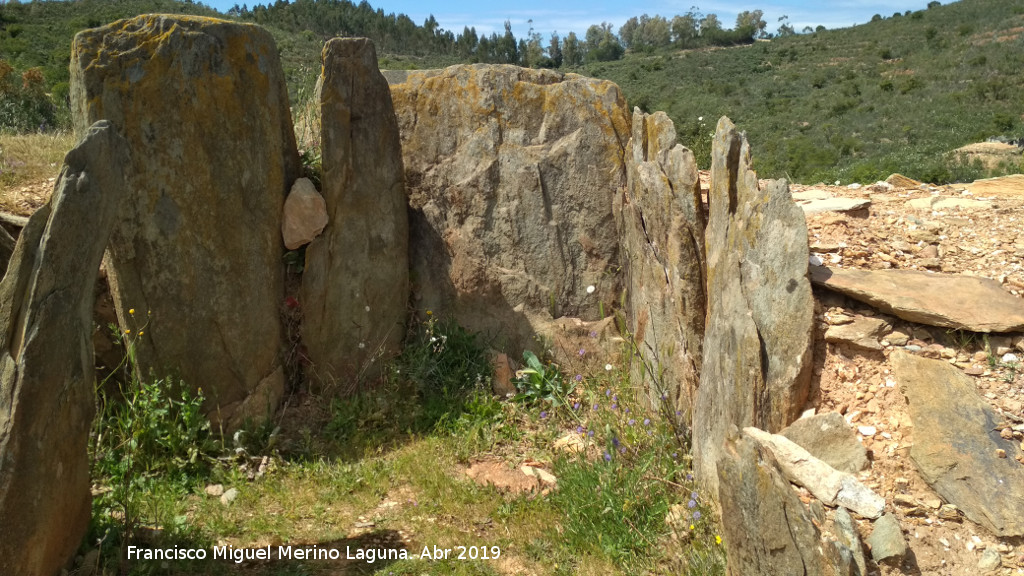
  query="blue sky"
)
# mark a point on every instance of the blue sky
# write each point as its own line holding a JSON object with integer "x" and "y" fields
{"x": 564, "y": 16}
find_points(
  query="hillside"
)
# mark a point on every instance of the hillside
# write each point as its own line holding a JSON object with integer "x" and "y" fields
{"x": 855, "y": 104}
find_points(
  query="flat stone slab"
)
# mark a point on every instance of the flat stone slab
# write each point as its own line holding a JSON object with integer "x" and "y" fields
{"x": 830, "y": 439}
{"x": 946, "y": 203}
{"x": 861, "y": 333}
{"x": 833, "y": 205}
{"x": 947, "y": 300}
{"x": 956, "y": 436}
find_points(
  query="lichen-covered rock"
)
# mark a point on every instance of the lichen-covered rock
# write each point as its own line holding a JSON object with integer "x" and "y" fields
{"x": 204, "y": 106}
{"x": 766, "y": 528}
{"x": 46, "y": 359}
{"x": 513, "y": 176}
{"x": 663, "y": 245}
{"x": 757, "y": 348}
{"x": 305, "y": 215}
{"x": 356, "y": 281}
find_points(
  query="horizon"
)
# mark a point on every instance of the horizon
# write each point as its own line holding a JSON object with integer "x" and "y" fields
{"x": 576, "y": 16}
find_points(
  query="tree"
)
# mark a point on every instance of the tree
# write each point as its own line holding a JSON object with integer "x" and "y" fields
{"x": 506, "y": 47}
{"x": 785, "y": 29}
{"x": 602, "y": 44}
{"x": 555, "y": 50}
{"x": 709, "y": 25}
{"x": 750, "y": 25}
{"x": 684, "y": 29}
{"x": 572, "y": 55}
{"x": 628, "y": 31}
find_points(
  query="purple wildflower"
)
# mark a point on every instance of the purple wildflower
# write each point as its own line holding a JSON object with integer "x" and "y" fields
{"x": 543, "y": 414}
{"x": 647, "y": 421}
{"x": 576, "y": 406}
{"x": 607, "y": 456}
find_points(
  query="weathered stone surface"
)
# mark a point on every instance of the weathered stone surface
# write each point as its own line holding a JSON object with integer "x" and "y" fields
{"x": 830, "y": 439}
{"x": 945, "y": 203}
{"x": 356, "y": 284}
{"x": 757, "y": 347}
{"x": 956, "y": 435}
{"x": 901, "y": 181}
{"x": 513, "y": 175}
{"x": 886, "y": 541}
{"x": 305, "y": 215}
{"x": 46, "y": 359}
{"x": 818, "y": 206}
{"x": 204, "y": 107}
{"x": 663, "y": 243}
{"x": 848, "y": 541}
{"x": 827, "y": 484}
{"x": 766, "y": 529}
{"x": 927, "y": 298}
{"x": 861, "y": 333}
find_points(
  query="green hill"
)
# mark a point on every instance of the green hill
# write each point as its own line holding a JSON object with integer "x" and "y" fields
{"x": 855, "y": 104}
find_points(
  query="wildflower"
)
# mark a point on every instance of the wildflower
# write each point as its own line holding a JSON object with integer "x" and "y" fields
{"x": 647, "y": 421}
{"x": 595, "y": 407}
{"x": 607, "y": 456}
{"x": 622, "y": 450}
{"x": 362, "y": 345}
{"x": 127, "y": 331}
{"x": 608, "y": 392}
{"x": 576, "y": 406}
{"x": 579, "y": 429}
{"x": 543, "y": 414}
{"x": 590, "y": 433}
{"x": 689, "y": 477}
{"x": 429, "y": 313}
{"x": 675, "y": 455}
{"x": 141, "y": 332}
{"x": 700, "y": 118}
{"x": 593, "y": 333}
{"x": 696, "y": 515}
{"x": 131, "y": 311}
{"x": 590, "y": 289}
{"x": 693, "y": 495}
{"x": 608, "y": 367}
{"x": 718, "y": 539}
{"x": 615, "y": 442}
{"x": 615, "y": 398}
{"x": 691, "y": 526}
{"x": 582, "y": 352}
{"x": 691, "y": 504}
{"x": 579, "y": 377}
{"x": 367, "y": 308}
{"x": 615, "y": 406}
{"x": 632, "y": 421}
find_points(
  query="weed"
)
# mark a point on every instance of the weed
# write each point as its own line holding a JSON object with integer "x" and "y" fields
{"x": 540, "y": 383}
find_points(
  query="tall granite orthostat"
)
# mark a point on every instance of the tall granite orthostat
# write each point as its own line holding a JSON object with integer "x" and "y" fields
{"x": 663, "y": 243}
{"x": 513, "y": 178}
{"x": 46, "y": 359}
{"x": 355, "y": 288}
{"x": 757, "y": 348}
{"x": 204, "y": 107}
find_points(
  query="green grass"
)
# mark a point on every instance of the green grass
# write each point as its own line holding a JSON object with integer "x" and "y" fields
{"x": 390, "y": 458}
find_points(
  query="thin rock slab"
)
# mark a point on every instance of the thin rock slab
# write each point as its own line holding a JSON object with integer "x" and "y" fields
{"x": 956, "y": 435}
{"x": 861, "y": 333}
{"x": 663, "y": 240}
{"x": 756, "y": 369}
{"x": 197, "y": 249}
{"x": 830, "y": 439}
{"x": 355, "y": 287}
{"x": 46, "y": 359}
{"x": 767, "y": 530}
{"x": 927, "y": 298}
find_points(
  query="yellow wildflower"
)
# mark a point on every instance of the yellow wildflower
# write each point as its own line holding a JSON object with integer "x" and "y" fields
{"x": 131, "y": 311}
{"x": 718, "y": 539}
{"x": 127, "y": 331}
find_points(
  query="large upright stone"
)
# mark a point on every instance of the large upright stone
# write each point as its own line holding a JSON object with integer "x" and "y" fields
{"x": 204, "y": 107}
{"x": 356, "y": 282}
{"x": 513, "y": 175}
{"x": 46, "y": 359}
{"x": 663, "y": 242}
{"x": 757, "y": 347}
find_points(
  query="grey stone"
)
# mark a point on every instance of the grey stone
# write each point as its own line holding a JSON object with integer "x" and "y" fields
{"x": 928, "y": 298}
{"x": 204, "y": 107}
{"x": 355, "y": 287}
{"x": 663, "y": 240}
{"x": 861, "y": 333}
{"x": 833, "y": 205}
{"x": 756, "y": 369}
{"x": 886, "y": 541}
{"x": 990, "y": 559}
{"x": 830, "y": 439}
{"x": 46, "y": 359}
{"x": 514, "y": 177}
{"x": 766, "y": 529}
{"x": 229, "y": 496}
{"x": 849, "y": 541}
{"x": 956, "y": 435}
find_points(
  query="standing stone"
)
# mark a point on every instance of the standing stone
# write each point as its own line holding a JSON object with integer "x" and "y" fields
{"x": 757, "y": 348}
{"x": 766, "y": 528}
{"x": 46, "y": 359}
{"x": 513, "y": 177}
{"x": 663, "y": 241}
{"x": 355, "y": 286}
{"x": 204, "y": 106}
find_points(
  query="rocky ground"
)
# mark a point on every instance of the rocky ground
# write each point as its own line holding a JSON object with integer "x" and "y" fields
{"x": 971, "y": 230}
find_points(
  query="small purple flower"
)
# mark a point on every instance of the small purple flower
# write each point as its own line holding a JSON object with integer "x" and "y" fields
{"x": 608, "y": 392}
{"x": 632, "y": 421}
{"x": 675, "y": 455}
{"x": 692, "y": 504}
{"x": 696, "y": 515}
{"x": 582, "y": 352}
{"x": 576, "y": 406}
{"x": 615, "y": 398}
{"x": 678, "y": 413}
{"x": 595, "y": 407}
{"x": 664, "y": 396}
{"x": 693, "y": 495}
{"x": 647, "y": 421}
{"x": 615, "y": 442}
{"x": 543, "y": 414}
{"x": 607, "y": 456}
{"x": 590, "y": 433}
{"x": 615, "y": 406}
{"x": 689, "y": 477}
{"x": 579, "y": 429}
{"x": 593, "y": 334}
{"x": 579, "y": 377}
{"x": 627, "y": 410}
{"x": 622, "y": 450}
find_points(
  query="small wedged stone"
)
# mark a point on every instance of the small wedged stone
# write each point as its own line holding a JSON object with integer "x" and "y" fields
{"x": 305, "y": 215}
{"x": 830, "y": 439}
{"x": 886, "y": 541}
{"x": 46, "y": 359}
